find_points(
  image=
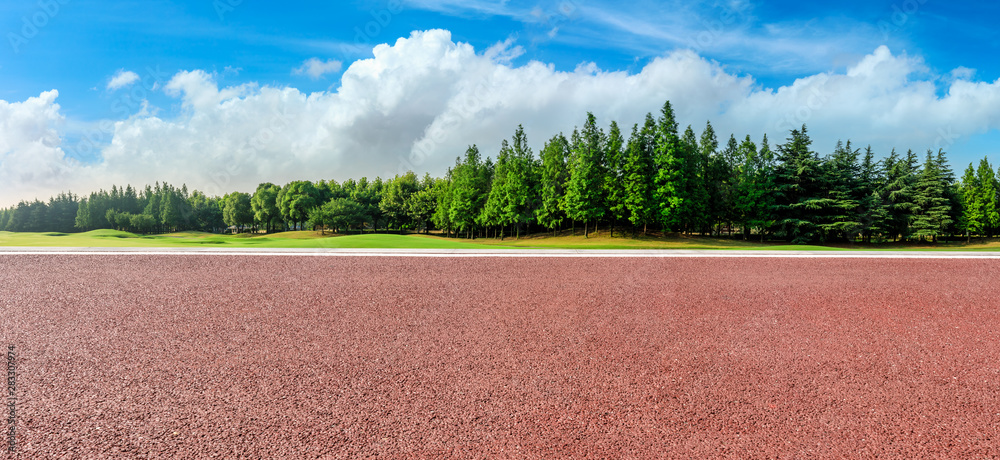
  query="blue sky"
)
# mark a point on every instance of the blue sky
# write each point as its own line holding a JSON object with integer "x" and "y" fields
{"x": 182, "y": 65}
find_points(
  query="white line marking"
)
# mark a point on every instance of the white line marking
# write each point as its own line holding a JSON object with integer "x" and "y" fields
{"x": 514, "y": 253}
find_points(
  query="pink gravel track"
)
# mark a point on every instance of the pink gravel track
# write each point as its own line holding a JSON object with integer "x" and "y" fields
{"x": 175, "y": 356}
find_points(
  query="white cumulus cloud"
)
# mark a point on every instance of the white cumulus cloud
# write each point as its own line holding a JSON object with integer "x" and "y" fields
{"x": 121, "y": 79}
{"x": 316, "y": 68}
{"x": 419, "y": 102}
{"x": 32, "y": 162}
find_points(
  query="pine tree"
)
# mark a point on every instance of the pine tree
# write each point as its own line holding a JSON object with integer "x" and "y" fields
{"x": 170, "y": 214}
{"x": 584, "y": 192}
{"x": 872, "y": 212}
{"x": 843, "y": 192}
{"x": 498, "y": 211}
{"x": 932, "y": 215}
{"x": 470, "y": 188}
{"x": 522, "y": 183}
{"x": 753, "y": 187}
{"x": 637, "y": 175}
{"x": 667, "y": 162}
{"x": 973, "y": 220}
{"x": 988, "y": 197}
{"x": 552, "y": 182}
{"x": 708, "y": 147}
{"x": 721, "y": 173}
{"x": 798, "y": 189}
{"x": 614, "y": 175}
{"x": 899, "y": 193}
{"x": 693, "y": 212}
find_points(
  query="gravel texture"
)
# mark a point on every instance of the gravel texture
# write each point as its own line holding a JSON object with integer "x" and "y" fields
{"x": 172, "y": 356}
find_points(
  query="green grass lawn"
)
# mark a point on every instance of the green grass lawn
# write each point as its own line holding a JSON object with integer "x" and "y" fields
{"x": 114, "y": 238}
{"x": 564, "y": 240}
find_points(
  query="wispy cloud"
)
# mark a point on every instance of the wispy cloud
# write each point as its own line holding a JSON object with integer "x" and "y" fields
{"x": 729, "y": 31}
{"x": 121, "y": 79}
{"x": 315, "y": 68}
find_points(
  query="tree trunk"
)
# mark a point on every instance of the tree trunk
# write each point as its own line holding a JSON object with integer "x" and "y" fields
{"x": 586, "y": 229}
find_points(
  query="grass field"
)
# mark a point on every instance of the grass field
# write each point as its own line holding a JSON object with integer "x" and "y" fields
{"x": 309, "y": 239}
{"x": 114, "y": 238}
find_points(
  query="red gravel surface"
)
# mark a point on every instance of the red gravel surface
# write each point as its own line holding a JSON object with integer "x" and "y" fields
{"x": 330, "y": 357}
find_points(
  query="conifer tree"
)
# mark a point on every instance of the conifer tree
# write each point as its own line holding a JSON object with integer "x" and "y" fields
{"x": 843, "y": 193}
{"x": 470, "y": 188}
{"x": 614, "y": 176}
{"x": 988, "y": 197}
{"x": 798, "y": 189}
{"x": 708, "y": 147}
{"x": 552, "y": 182}
{"x": 584, "y": 192}
{"x": 637, "y": 175}
{"x": 667, "y": 161}
{"x": 932, "y": 215}
{"x": 693, "y": 212}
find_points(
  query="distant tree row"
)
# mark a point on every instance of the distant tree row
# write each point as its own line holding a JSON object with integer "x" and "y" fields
{"x": 654, "y": 178}
{"x": 684, "y": 183}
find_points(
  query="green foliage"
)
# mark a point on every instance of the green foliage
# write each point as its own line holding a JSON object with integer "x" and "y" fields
{"x": 614, "y": 184}
{"x": 554, "y": 174}
{"x": 443, "y": 192}
{"x": 339, "y": 214}
{"x": 873, "y": 208}
{"x": 668, "y": 177}
{"x": 396, "y": 197}
{"x": 752, "y": 189}
{"x": 237, "y": 210}
{"x": 988, "y": 197}
{"x": 684, "y": 183}
{"x": 296, "y": 200}
{"x": 900, "y": 179}
{"x": 470, "y": 188}
{"x": 844, "y": 191}
{"x": 264, "y": 204}
{"x": 511, "y": 198}
{"x": 933, "y": 207}
{"x": 584, "y": 199}
{"x": 798, "y": 190}
{"x": 637, "y": 174}
{"x": 422, "y": 203}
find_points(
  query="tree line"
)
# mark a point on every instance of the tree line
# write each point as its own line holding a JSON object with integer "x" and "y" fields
{"x": 655, "y": 178}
